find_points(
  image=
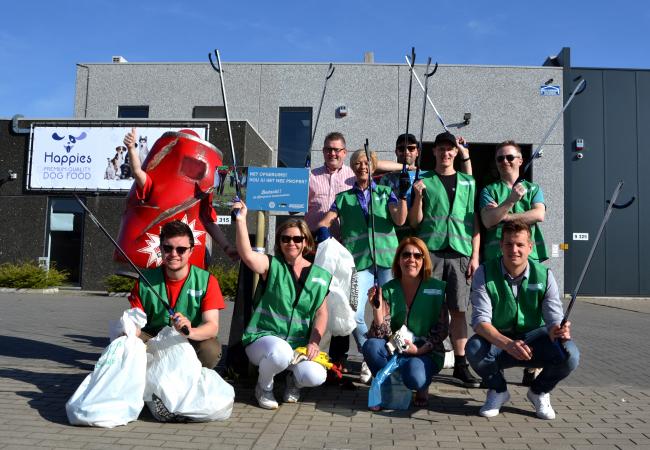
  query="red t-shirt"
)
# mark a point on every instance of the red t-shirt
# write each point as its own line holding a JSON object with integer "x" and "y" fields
{"x": 206, "y": 204}
{"x": 213, "y": 298}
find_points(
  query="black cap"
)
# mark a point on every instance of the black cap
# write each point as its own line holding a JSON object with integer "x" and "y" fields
{"x": 445, "y": 137}
{"x": 408, "y": 138}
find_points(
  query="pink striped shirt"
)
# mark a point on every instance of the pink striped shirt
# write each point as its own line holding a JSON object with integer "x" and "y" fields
{"x": 323, "y": 187}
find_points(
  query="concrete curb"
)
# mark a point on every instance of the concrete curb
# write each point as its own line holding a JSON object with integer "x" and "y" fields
{"x": 30, "y": 291}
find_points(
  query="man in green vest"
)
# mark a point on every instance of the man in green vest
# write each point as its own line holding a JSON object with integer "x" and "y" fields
{"x": 442, "y": 215}
{"x": 192, "y": 292}
{"x": 516, "y": 314}
{"x": 503, "y": 201}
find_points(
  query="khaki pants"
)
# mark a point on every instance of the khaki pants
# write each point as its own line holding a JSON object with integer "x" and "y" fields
{"x": 208, "y": 351}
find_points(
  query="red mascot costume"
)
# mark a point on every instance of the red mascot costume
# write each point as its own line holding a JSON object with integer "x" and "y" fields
{"x": 180, "y": 179}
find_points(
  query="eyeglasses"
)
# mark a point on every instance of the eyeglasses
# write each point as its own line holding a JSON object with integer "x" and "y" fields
{"x": 179, "y": 250}
{"x": 416, "y": 255}
{"x": 410, "y": 148}
{"x": 510, "y": 158}
{"x": 296, "y": 239}
{"x": 333, "y": 149}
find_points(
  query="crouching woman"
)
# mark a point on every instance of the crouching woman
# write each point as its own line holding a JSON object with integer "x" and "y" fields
{"x": 290, "y": 312}
{"x": 414, "y": 299}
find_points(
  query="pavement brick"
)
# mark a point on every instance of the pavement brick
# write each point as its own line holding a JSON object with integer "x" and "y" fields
{"x": 604, "y": 404}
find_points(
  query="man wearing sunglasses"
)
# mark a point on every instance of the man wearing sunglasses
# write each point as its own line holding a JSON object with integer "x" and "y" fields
{"x": 192, "y": 292}
{"x": 505, "y": 201}
{"x": 407, "y": 150}
{"x": 442, "y": 215}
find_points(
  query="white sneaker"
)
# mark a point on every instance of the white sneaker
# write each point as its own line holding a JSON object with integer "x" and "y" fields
{"x": 291, "y": 391}
{"x": 265, "y": 399}
{"x": 365, "y": 375}
{"x": 542, "y": 404}
{"x": 493, "y": 403}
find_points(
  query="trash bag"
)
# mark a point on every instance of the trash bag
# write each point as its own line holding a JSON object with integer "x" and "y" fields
{"x": 112, "y": 394}
{"x": 387, "y": 389}
{"x": 178, "y": 389}
{"x": 337, "y": 260}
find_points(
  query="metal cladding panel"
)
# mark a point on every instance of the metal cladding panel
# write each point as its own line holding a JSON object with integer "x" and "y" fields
{"x": 584, "y": 187}
{"x": 622, "y": 233}
{"x": 643, "y": 194}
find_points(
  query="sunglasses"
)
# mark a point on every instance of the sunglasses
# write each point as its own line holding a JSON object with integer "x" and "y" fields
{"x": 510, "y": 158}
{"x": 416, "y": 255}
{"x": 333, "y": 149}
{"x": 179, "y": 250}
{"x": 295, "y": 239}
{"x": 403, "y": 148}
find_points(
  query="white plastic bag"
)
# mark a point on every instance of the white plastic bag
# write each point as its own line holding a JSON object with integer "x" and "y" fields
{"x": 338, "y": 261}
{"x": 175, "y": 379}
{"x": 112, "y": 394}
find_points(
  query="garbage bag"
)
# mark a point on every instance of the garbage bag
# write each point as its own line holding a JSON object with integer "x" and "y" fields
{"x": 387, "y": 389}
{"x": 112, "y": 394}
{"x": 178, "y": 389}
{"x": 338, "y": 261}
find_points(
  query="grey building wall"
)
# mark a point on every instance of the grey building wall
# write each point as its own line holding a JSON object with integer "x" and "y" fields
{"x": 504, "y": 102}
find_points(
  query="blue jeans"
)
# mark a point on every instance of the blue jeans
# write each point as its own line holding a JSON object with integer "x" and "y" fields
{"x": 489, "y": 361}
{"x": 416, "y": 372}
{"x": 365, "y": 280}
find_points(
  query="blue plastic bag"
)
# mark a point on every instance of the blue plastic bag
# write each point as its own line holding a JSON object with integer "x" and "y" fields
{"x": 387, "y": 389}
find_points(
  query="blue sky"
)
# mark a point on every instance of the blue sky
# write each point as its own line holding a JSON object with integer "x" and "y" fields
{"x": 42, "y": 41}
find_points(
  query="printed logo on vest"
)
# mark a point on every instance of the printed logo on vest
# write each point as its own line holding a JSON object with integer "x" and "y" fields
{"x": 466, "y": 182}
{"x": 195, "y": 293}
{"x": 432, "y": 291}
{"x": 535, "y": 287}
{"x": 319, "y": 281}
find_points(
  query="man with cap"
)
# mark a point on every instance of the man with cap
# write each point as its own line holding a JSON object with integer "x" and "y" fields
{"x": 517, "y": 316}
{"x": 407, "y": 149}
{"x": 443, "y": 216}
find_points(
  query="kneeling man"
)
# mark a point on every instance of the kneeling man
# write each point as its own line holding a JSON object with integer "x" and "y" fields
{"x": 192, "y": 292}
{"x": 516, "y": 315}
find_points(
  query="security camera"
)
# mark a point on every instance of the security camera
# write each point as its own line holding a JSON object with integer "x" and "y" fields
{"x": 12, "y": 175}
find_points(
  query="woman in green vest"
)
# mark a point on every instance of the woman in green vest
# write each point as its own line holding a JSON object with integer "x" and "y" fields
{"x": 416, "y": 300}
{"x": 351, "y": 209}
{"x": 290, "y": 310}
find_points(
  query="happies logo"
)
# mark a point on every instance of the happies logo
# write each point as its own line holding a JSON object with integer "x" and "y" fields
{"x": 69, "y": 158}
{"x": 70, "y": 141}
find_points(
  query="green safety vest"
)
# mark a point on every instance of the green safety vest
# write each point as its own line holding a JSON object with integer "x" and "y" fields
{"x": 356, "y": 232}
{"x": 188, "y": 302}
{"x": 440, "y": 227}
{"x": 521, "y": 314}
{"x": 500, "y": 191}
{"x": 424, "y": 312}
{"x": 279, "y": 313}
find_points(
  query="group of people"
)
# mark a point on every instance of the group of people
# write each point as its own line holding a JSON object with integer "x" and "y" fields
{"x": 426, "y": 254}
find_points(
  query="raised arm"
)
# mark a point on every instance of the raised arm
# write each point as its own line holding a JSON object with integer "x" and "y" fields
{"x": 415, "y": 214}
{"x": 257, "y": 262}
{"x": 134, "y": 159}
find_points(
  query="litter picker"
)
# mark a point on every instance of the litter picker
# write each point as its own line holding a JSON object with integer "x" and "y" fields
{"x": 219, "y": 70}
{"x": 611, "y": 205}
{"x": 169, "y": 309}
{"x": 328, "y": 75}
{"x": 576, "y": 91}
{"x": 442, "y": 122}
{"x": 427, "y": 75}
{"x": 371, "y": 213}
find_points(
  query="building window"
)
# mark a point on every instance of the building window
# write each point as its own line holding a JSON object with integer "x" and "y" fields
{"x": 294, "y": 136}
{"x": 133, "y": 112}
{"x": 209, "y": 112}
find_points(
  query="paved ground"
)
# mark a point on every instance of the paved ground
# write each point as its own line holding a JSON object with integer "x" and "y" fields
{"x": 48, "y": 344}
